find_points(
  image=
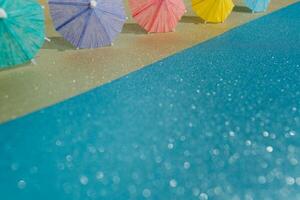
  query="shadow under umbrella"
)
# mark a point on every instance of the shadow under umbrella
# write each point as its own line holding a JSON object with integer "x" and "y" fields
{"x": 192, "y": 20}
{"x": 15, "y": 67}
{"x": 58, "y": 43}
{"x": 241, "y": 9}
{"x": 133, "y": 29}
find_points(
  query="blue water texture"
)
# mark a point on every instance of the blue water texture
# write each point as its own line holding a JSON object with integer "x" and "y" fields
{"x": 220, "y": 120}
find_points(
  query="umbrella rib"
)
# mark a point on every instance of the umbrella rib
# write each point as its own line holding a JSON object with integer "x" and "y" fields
{"x": 68, "y": 3}
{"x": 72, "y": 18}
{"x": 156, "y": 13}
{"x": 107, "y": 35}
{"x": 196, "y": 3}
{"x": 20, "y": 45}
{"x": 168, "y": 9}
{"x": 255, "y": 4}
{"x": 84, "y": 29}
{"x": 143, "y": 9}
{"x": 174, "y": 4}
{"x": 118, "y": 16}
{"x": 172, "y": 13}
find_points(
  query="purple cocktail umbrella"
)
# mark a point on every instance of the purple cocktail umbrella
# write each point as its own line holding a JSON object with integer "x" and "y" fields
{"x": 88, "y": 23}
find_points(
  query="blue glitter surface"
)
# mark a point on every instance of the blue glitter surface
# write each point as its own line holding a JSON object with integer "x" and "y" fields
{"x": 220, "y": 120}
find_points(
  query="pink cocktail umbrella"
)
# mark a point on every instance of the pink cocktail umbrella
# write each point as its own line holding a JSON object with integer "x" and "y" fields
{"x": 157, "y": 15}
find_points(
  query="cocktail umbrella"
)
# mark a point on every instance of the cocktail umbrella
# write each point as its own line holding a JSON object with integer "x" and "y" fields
{"x": 88, "y": 23}
{"x": 213, "y": 10}
{"x": 258, "y": 5}
{"x": 21, "y": 31}
{"x": 157, "y": 15}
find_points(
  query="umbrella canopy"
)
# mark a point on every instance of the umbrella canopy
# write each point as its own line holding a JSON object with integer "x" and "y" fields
{"x": 213, "y": 10}
{"x": 258, "y": 5}
{"x": 88, "y": 23}
{"x": 157, "y": 15}
{"x": 21, "y": 31}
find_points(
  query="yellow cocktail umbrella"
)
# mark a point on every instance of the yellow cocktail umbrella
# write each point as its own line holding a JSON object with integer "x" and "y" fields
{"x": 213, "y": 10}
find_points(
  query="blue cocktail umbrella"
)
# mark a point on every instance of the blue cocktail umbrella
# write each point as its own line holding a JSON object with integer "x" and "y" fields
{"x": 88, "y": 23}
{"x": 258, "y": 5}
{"x": 21, "y": 31}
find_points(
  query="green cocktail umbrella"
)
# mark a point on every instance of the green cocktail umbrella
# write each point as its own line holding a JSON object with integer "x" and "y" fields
{"x": 22, "y": 31}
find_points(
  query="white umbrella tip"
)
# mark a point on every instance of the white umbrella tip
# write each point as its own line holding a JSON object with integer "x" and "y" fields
{"x": 93, "y": 3}
{"x": 3, "y": 14}
{"x": 47, "y": 39}
{"x": 33, "y": 61}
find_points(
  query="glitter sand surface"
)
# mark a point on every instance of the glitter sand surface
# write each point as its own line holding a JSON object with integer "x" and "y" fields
{"x": 63, "y": 72}
{"x": 218, "y": 121}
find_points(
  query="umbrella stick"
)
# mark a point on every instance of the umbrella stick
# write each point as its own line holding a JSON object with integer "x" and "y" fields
{"x": 33, "y": 61}
{"x": 47, "y": 39}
